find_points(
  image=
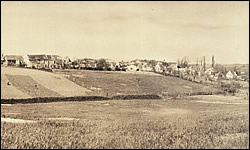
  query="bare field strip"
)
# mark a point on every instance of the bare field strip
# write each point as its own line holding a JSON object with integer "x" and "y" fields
{"x": 27, "y": 85}
{"x": 12, "y": 120}
{"x": 30, "y": 77}
{"x": 10, "y": 91}
{"x": 216, "y": 102}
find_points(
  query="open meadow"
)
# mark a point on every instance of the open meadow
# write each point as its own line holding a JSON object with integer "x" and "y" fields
{"x": 196, "y": 122}
{"x": 168, "y": 121}
{"x": 112, "y": 83}
{"x": 17, "y": 83}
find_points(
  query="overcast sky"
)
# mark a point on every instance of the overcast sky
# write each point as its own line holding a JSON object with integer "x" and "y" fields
{"x": 128, "y": 30}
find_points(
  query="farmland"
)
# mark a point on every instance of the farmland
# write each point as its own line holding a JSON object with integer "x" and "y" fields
{"x": 196, "y": 122}
{"x": 29, "y": 83}
{"x": 110, "y": 83}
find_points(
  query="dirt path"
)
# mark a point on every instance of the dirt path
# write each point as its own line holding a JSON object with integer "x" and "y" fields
{"x": 12, "y": 120}
{"x": 220, "y": 99}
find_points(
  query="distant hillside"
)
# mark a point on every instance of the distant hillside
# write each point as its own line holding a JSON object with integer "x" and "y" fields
{"x": 29, "y": 83}
{"x": 103, "y": 83}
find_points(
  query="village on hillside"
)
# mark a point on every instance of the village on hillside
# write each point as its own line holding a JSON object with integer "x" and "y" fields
{"x": 199, "y": 72}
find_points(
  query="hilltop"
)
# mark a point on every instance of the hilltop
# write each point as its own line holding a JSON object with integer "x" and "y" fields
{"x": 112, "y": 83}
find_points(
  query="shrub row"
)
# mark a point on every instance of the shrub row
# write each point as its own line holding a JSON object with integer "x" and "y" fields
{"x": 77, "y": 98}
{"x": 207, "y": 93}
{"x": 52, "y": 99}
{"x": 98, "y": 98}
{"x": 127, "y": 97}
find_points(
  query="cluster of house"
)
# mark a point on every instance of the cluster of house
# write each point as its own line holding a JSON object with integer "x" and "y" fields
{"x": 147, "y": 65}
{"x": 54, "y": 61}
{"x": 108, "y": 64}
{"x": 33, "y": 61}
{"x": 12, "y": 60}
{"x": 191, "y": 72}
{"x": 198, "y": 73}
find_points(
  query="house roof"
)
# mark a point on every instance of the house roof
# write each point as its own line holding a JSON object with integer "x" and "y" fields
{"x": 36, "y": 57}
{"x": 53, "y": 57}
{"x": 172, "y": 66}
{"x": 43, "y": 57}
{"x": 233, "y": 73}
{"x": 13, "y": 57}
{"x": 229, "y": 73}
{"x": 219, "y": 73}
{"x": 210, "y": 69}
{"x": 49, "y": 56}
{"x": 85, "y": 60}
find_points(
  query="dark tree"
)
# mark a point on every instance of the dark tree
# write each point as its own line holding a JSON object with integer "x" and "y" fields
{"x": 184, "y": 62}
{"x": 102, "y": 64}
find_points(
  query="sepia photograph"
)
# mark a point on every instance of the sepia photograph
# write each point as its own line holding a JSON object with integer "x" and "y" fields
{"x": 124, "y": 74}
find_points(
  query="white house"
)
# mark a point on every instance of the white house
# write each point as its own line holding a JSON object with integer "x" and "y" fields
{"x": 27, "y": 61}
{"x": 235, "y": 74}
{"x": 172, "y": 67}
{"x": 209, "y": 71}
{"x": 158, "y": 68}
{"x": 131, "y": 67}
{"x": 229, "y": 75}
{"x": 146, "y": 67}
{"x": 13, "y": 60}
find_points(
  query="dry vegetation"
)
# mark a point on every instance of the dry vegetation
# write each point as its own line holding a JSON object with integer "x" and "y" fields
{"x": 34, "y": 83}
{"x": 8, "y": 91}
{"x": 28, "y": 83}
{"x": 103, "y": 83}
{"x": 127, "y": 124}
{"x": 29, "y": 86}
{"x": 190, "y": 122}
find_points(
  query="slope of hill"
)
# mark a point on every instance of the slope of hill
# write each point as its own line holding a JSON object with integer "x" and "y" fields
{"x": 9, "y": 91}
{"x": 27, "y": 83}
{"x": 110, "y": 83}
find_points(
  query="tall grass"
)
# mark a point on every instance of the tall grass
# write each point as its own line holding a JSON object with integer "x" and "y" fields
{"x": 204, "y": 131}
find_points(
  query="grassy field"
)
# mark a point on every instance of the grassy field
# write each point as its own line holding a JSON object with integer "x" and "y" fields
{"x": 110, "y": 83}
{"x": 212, "y": 121}
{"x": 197, "y": 122}
{"x": 11, "y": 91}
{"x": 30, "y": 83}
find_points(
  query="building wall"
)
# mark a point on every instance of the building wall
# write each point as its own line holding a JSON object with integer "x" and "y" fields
{"x": 12, "y": 63}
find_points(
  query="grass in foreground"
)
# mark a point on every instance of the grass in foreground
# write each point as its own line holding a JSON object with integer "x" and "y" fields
{"x": 127, "y": 124}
